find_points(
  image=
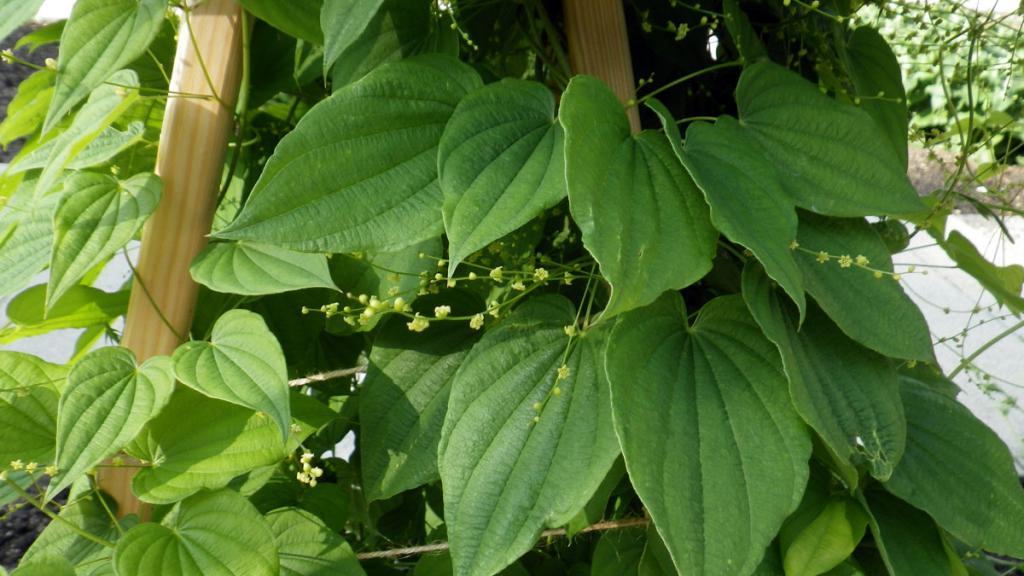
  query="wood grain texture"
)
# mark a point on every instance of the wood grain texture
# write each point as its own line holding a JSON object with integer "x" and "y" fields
{"x": 599, "y": 46}
{"x": 190, "y": 161}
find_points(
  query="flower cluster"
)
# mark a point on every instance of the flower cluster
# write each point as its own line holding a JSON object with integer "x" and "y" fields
{"x": 309, "y": 473}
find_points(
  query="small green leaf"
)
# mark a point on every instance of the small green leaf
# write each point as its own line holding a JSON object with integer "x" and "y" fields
{"x": 87, "y": 513}
{"x": 501, "y": 162}
{"x": 359, "y": 171}
{"x": 209, "y": 534}
{"x": 258, "y": 269}
{"x": 28, "y": 108}
{"x": 908, "y": 539}
{"x": 28, "y": 407}
{"x": 198, "y": 442}
{"x": 343, "y": 22}
{"x": 403, "y": 403}
{"x": 26, "y": 234}
{"x": 81, "y": 307}
{"x": 959, "y": 472}
{"x": 297, "y": 18}
{"x": 742, "y": 33}
{"x": 640, "y": 214}
{"x": 1003, "y": 282}
{"x": 747, "y": 202}
{"x": 847, "y": 393}
{"x": 96, "y": 217}
{"x": 618, "y": 553}
{"x": 877, "y": 79}
{"x": 100, "y": 38}
{"x": 14, "y": 13}
{"x": 712, "y": 444}
{"x": 826, "y": 540}
{"x": 873, "y": 311}
{"x": 523, "y": 448}
{"x": 242, "y": 364}
{"x": 107, "y": 402}
{"x": 107, "y": 145}
{"x": 831, "y": 158}
{"x": 105, "y": 105}
{"x": 307, "y": 547}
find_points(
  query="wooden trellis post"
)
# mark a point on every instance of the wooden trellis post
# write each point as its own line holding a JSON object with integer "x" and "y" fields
{"x": 190, "y": 161}
{"x": 599, "y": 46}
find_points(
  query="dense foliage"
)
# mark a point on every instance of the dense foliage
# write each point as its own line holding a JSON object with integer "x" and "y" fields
{"x": 527, "y": 316}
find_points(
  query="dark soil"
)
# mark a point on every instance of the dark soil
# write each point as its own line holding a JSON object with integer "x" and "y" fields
{"x": 12, "y": 74}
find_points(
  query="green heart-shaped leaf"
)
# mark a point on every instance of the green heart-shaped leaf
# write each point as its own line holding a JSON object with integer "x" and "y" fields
{"x": 359, "y": 171}
{"x": 96, "y": 217}
{"x": 197, "y": 442}
{"x": 209, "y": 534}
{"x": 501, "y": 162}
{"x": 107, "y": 402}
{"x": 100, "y": 38}
{"x": 528, "y": 437}
{"x": 28, "y": 407}
{"x": 640, "y": 214}
{"x": 711, "y": 441}
{"x": 307, "y": 547}
{"x": 242, "y": 364}
{"x": 257, "y": 269}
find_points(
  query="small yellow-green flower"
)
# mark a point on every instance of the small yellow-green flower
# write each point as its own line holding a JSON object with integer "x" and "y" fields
{"x": 17, "y": 464}
{"x": 476, "y": 322}
{"x": 442, "y": 312}
{"x": 845, "y": 261}
{"x": 418, "y": 323}
{"x": 518, "y": 285}
{"x": 540, "y": 274}
{"x": 570, "y": 330}
{"x": 563, "y": 372}
{"x": 862, "y": 260}
{"x": 822, "y": 257}
{"x": 496, "y": 274}
{"x": 793, "y": 245}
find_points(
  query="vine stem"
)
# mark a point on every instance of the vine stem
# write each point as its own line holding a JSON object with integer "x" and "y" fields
{"x": 688, "y": 77}
{"x": 323, "y": 376}
{"x": 440, "y": 546}
{"x": 56, "y": 517}
{"x": 984, "y": 347}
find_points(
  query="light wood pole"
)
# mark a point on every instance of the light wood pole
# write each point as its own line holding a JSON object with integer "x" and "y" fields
{"x": 599, "y": 46}
{"x": 190, "y": 161}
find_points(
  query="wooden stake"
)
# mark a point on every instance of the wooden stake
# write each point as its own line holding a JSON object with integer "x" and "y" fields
{"x": 599, "y": 46}
{"x": 190, "y": 161}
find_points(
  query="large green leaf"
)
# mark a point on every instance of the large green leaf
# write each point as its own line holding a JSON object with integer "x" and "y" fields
{"x": 28, "y": 407}
{"x": 298, "y": 18}
{"x": 876, "y": 77}
{"x": 873, "y": 311}
{"x": 96, "y": 217}
{"x": 257, "y": 269}
{"x": 1003, "y": 282}
{"x": 522, "y": 449}
{"x": 403, "y": 403}
{"x": 45, "y": 566}
{"x": 14, "y": 13}
{"x": 359, "y": 171}
{"x": 959, "y": 472}
{"x": 712, "y": 444}
{"x": 343, "y": 22}
{"x": 501, "y": 162}
{"x": 307, "y": 547}
{"x": 105, "y": 104}
{"x": 28, "y": 108}
{"x": 908, "y": 539}
{"x": 640, "y": 214}
{"x": 198, "y": 442}
{"x": 847, "y": 393}
{"x": 107, "y": 402}
{"x": 81, "y": 307}
{"x": 746, "y": 198}
{"x": 26, "y": 234}
{"x": 209, "y": 534}
{"x": 831, "y": 534}
{"x": 242, "y": 363}
{"x": 831, "y": 158}
{"x": 100, "y": 38}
